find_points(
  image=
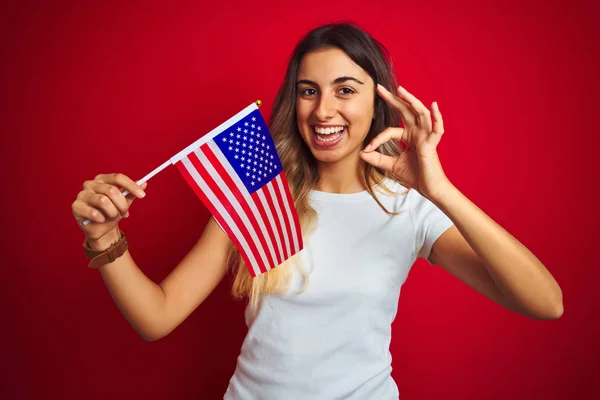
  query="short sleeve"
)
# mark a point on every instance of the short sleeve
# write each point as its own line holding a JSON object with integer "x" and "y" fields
{"x": 429, "y": 222}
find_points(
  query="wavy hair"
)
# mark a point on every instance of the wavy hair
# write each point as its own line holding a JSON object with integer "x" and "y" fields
{"x": 299, "y": 165}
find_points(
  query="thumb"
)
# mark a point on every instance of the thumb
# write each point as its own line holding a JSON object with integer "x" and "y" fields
{"x": 377, "y": 159}
{"x": 131, "y": 197}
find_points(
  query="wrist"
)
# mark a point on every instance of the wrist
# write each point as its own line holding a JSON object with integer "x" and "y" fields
{"x": 447, "y": 194}
{"x": 105, "y": 241}
{"x": 101, "y": 255}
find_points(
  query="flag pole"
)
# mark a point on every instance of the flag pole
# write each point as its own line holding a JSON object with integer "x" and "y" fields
{"x": 156, "y": 171}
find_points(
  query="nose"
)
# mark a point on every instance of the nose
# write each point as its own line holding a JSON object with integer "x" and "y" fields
{"x": 326, "y": 107}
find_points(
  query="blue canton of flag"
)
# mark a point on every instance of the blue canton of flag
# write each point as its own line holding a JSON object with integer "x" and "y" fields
{"x": 250, "y": 150}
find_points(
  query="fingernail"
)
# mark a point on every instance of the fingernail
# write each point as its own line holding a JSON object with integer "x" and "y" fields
{"x": 380, "y": 87}
{"x": 401, "y": 88}
{"x": 126, "y": 215}
{"x": 141, "y": 193}
{"x": 368, "y": 148}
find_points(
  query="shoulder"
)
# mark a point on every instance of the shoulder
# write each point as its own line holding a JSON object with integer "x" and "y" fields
{"x": 422, "y": 210}
{"x": 392, "y": 193}
{"x": 418, "y": 201}
{"x": 389, "y": 187}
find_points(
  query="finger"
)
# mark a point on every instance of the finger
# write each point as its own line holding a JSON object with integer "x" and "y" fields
{"x": 379, "y": 160}
{"x": 122, "y": 181}
{"x": 422, "y": 112}
{"x": 385, "y": 136}
{"x": 102, "y": 203}
{"x": 438, "y": 121}
{"x": 115, "y": 195}
{"x": 82, "y": 211}
{"x": 131, "y": 197}
{"x": 407, "y": 114}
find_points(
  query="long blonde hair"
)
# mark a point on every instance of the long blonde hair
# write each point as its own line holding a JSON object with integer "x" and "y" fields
{"x": 298, "y": 163}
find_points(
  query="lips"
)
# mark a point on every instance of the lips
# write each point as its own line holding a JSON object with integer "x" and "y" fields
{"x": 328, "y": 136}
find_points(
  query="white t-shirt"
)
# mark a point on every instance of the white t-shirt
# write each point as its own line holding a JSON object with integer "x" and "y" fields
{"x": 332, "y": 341}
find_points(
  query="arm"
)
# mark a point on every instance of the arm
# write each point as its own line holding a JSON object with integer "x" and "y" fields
{"x": 483, "y": 255}
{"x": 155, "y": 310}
{"x": 476, "y": 250}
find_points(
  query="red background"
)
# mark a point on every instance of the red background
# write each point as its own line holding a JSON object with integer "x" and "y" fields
{"x": 123, "y": 86}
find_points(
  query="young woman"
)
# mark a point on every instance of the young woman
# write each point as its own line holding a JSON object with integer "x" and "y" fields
{"x": 320, "y": 324}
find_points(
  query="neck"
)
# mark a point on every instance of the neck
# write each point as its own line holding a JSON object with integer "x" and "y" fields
{"x": 343, "y": 176}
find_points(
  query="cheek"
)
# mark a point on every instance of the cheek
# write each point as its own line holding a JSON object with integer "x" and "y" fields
{"x": 359, "y": 115}
{"x": 302, "y": 116}
{"x": 302, "y": 111}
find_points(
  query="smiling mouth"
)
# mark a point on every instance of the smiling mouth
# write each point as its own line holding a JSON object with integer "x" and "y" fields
{"x": 328, "y": 136}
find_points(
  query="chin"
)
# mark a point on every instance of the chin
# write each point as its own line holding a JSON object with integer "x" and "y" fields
{"x": 327, "y": 158}
{"x": 332, "y": 155}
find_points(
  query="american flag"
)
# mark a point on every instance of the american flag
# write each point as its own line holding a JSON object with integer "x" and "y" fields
{"x": 236, "y": 172}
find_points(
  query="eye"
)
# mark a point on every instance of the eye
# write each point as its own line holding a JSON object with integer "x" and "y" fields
{"x": 307, "y": 91}
{"x": 346, "y": 91}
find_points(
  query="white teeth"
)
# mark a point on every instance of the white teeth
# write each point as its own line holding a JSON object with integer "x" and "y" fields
{"x": 328, "y": 131}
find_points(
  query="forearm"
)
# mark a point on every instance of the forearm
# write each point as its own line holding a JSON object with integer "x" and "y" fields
{"x": 518, "y": 273}
{"x": 138, "y": 298}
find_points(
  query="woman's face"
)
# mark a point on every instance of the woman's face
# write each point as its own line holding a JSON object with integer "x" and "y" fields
{"x": 334, "y": 105}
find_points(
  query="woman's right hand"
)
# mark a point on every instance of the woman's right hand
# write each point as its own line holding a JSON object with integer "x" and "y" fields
{"x": 102, "y": 202}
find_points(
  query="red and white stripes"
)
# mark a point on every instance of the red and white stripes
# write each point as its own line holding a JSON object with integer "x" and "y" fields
{"x": 263, "y": 225}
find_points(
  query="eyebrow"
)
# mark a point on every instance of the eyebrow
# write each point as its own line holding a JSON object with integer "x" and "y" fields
{"x": 336, "y": 81}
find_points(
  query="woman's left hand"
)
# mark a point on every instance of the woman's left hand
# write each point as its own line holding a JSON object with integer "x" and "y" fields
{"x": 418, "y": 166}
